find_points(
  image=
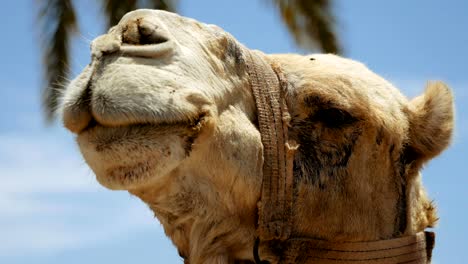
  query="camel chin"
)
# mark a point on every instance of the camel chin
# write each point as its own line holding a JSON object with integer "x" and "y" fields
{"x": 111, "y": 153}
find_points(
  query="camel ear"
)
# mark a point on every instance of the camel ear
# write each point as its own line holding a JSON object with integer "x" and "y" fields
{"x": 431, "y": 123}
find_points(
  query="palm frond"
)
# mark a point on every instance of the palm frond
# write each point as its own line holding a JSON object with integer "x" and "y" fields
{"x": 57, "y": 24}
{"x": 168, "y": 5}
{"x": 311, "y": 22}
{"x": 116, "y": 9}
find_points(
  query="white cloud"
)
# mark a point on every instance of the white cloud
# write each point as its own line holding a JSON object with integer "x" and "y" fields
{"x": 50, "y": 200}
{"x": 51, "y": 231}
{"x": 13, "y": 206}
{"x": 42, "y": 163}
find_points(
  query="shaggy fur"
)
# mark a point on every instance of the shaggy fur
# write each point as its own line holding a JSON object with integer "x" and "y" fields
{"x": 165, "y": 111}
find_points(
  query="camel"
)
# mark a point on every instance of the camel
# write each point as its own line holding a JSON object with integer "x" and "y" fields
{"x": 166, "y": 111}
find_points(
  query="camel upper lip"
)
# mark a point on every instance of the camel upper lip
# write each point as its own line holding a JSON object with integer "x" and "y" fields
{"x": 148, "y": 50}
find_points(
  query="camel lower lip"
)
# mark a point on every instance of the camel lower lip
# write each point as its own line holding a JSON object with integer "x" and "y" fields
{"x": 104, "y": 139}
{"x": 188, "y": 124}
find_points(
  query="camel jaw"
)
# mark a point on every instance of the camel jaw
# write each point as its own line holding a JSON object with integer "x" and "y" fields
{"x": 129, "y": 157}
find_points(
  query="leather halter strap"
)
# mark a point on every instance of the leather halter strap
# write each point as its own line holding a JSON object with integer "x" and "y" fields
{"x": 274, "y": 229}
{"x": 268, "y": 86}
{"x": 415, "y": 249}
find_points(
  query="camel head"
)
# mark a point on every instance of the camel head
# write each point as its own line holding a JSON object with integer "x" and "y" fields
{"x": 165, "y": 110}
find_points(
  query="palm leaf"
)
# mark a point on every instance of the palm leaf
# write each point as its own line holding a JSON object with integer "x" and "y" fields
{"x": 116, "y": 9}
{"x": 311, "y": 22}
{"x": 57, "y": 23}
{"x": 168, "y": 5}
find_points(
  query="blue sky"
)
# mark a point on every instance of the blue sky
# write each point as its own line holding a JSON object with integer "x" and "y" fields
{"x": 53, "y": 211}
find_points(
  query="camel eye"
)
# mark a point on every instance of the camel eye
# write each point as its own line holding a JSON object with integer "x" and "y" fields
{"x": 334, "y": 118}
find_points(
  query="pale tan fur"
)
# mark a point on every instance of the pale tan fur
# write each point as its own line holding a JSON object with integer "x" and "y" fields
{"x": 174, "y": 123}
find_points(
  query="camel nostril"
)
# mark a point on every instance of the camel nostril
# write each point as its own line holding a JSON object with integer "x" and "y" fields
{"x": 145, "y": 37}
{"x": 143, "y": 32}
{"x": 148, "y": 33}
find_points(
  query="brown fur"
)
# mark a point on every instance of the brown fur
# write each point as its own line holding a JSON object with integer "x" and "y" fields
{"x": 197, "y": 163}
